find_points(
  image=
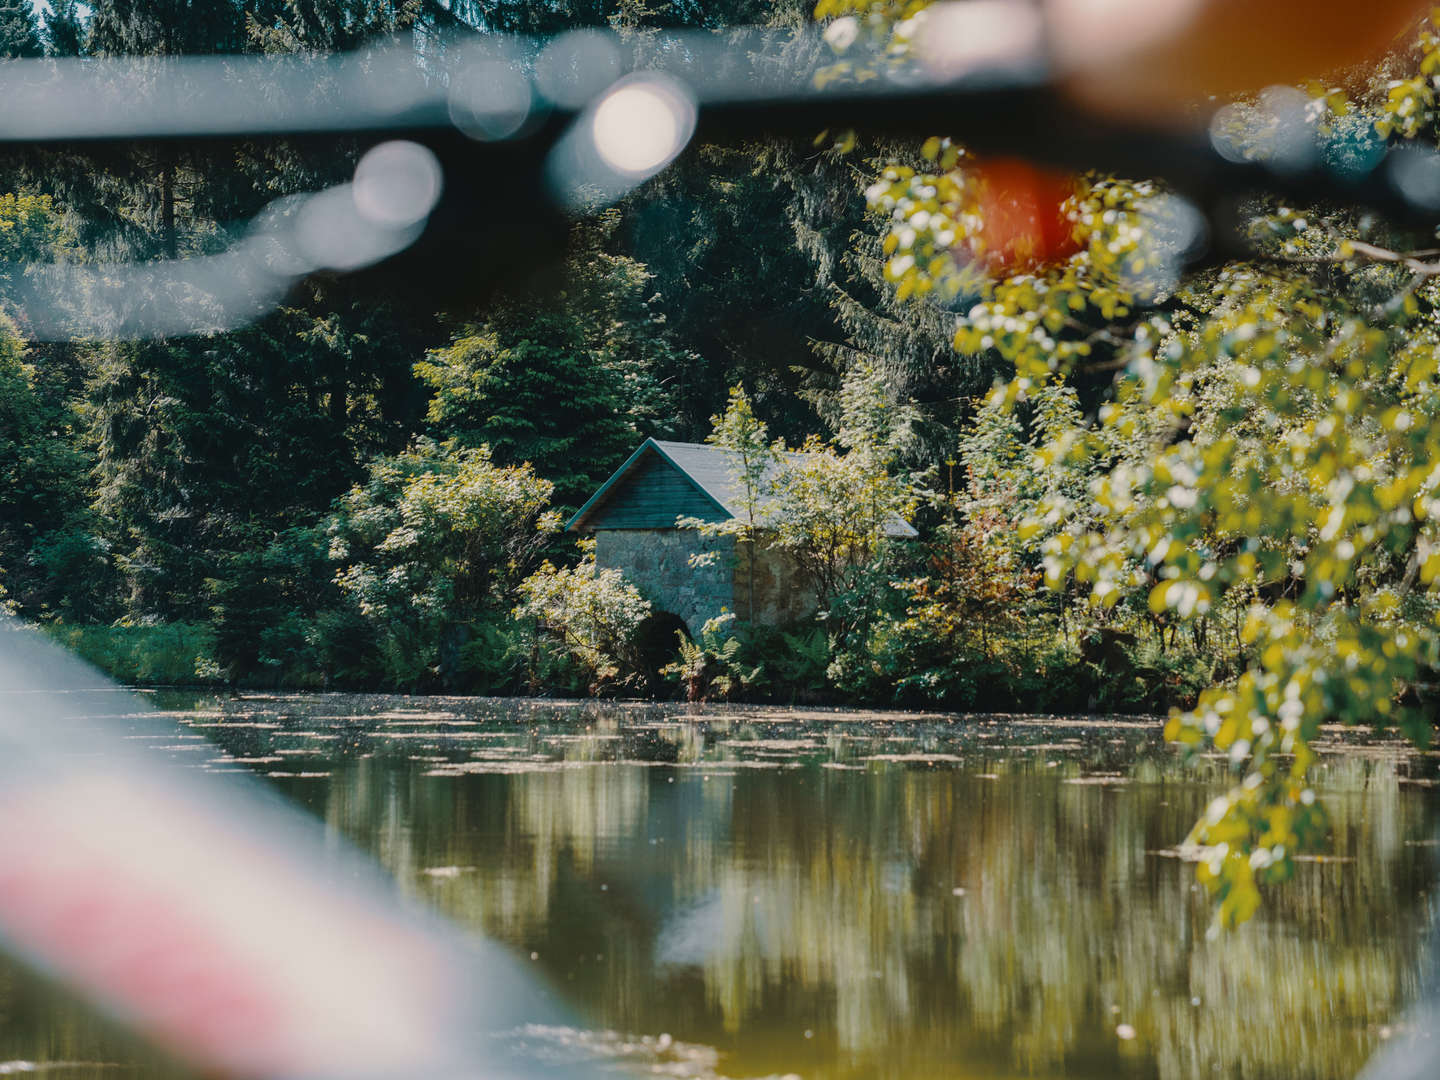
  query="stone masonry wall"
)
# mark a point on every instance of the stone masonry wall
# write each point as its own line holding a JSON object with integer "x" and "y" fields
{"x": 782, "y": 595}
{"x": 657, "y": 562}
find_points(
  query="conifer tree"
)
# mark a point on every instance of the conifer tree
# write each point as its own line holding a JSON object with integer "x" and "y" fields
{"x": 19, "y": 32}
{"x": 64, "y": 30}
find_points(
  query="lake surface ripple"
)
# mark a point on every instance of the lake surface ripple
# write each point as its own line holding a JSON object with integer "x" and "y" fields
{"x": 757, "y": 892}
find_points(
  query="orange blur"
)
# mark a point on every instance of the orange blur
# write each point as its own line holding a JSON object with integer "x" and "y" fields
{"x": 1022, "y": 207}
{"x": 1220, "y": 47}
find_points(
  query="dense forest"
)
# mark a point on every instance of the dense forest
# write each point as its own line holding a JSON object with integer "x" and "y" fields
{"x": 225, "y": 507}
{"x": 1144, "y": 473}
{"x": 362, "y": 489}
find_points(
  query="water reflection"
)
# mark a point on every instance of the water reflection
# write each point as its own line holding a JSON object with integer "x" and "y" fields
{"x": 838, "y": 896}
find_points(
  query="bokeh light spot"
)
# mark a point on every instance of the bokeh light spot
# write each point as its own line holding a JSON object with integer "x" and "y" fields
{"x": 642, "y": 125}
{"x": 397, "y": 184}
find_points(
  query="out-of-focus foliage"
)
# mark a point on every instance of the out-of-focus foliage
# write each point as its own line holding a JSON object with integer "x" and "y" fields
{"x": 1264, "y": 468}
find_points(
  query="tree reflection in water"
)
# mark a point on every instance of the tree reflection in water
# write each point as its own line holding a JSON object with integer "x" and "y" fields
{"x": 871, "y": 899}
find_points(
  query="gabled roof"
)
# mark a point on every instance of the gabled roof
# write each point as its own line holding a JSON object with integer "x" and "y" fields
{"x": 710, "y": 470}
{"x": 704, "y": 468}
{"x": 713, "y": 470}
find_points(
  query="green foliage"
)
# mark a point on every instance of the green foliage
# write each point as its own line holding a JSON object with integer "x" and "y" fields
{"x": 1264, "y": 467}
{"x": 497, "y": 657}
{"x": 64, "y": 30}
{"x": 275, "y": 618}
{"x": 709, "y": 665}
{"x": 837, "y": 501}
{"x": 204, "y": 468}
{"x": 829, "y": 505}
{"x": 172, "y": 654}
{"x": 19, "y": 32}
{"x": 798, "y": 665}
{"x": 734, "y": 660}
{"x": 755, "y": 464}
{"x": 165, "y": 27}
{"x": 30, "y": 231}
{"x": 433, "y": 539}
{"x": 42, "y": 477}
{"x": 570, "y": 381}
{"x": 541, "y": 400}
{"x": 208, "y": 447}
{"x": 589, "y": 616}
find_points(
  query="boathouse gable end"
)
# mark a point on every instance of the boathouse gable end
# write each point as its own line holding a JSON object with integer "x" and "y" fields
{"x": 648, "y": 492}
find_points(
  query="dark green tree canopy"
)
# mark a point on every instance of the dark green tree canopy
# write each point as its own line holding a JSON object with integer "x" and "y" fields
{"x": 19, "y": 30}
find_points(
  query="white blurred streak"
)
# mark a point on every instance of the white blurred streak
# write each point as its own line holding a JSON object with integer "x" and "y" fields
{"x": 642, "y": 125}
{"x": 210, "y": 941}
{"x": 1413, "y": 1053}
{"x": 482, "y": 81}
{"x": 397, "y": 184}
{"x": 842, "y": 33}
{"x": 1173, "y": 233}
{"x": 332, "y": 234}
{"x": 1287, "y": 138}
{"x": 388, "y": 80}
{"x": 346, "y": 227}
{"x": 1227, "y": 129}
{"x": 1278, "y": 130}
{"x": 1414, "y": 172}
{"x": 1084, "y": 33}
{"x": 639, "y": 126}
{"x": 635, "y": 103}
{"x": 490, "y": 99}
{"x": 572, "y": 69}
{"x": 215, "y": 918}
{"x": 184, "y": 296}
{"x": 956, "y": 39}
{"x": 190, "y": 96}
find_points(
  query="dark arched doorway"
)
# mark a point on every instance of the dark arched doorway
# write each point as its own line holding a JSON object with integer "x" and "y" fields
{"x": 656, "y": 645}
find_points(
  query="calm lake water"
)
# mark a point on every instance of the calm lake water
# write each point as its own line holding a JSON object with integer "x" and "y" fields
{"x": 753, "y": 892}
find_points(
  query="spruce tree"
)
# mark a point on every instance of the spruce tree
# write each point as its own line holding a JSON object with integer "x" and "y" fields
{"x": 19, "y": 32}
{"x": 64, "y": 30}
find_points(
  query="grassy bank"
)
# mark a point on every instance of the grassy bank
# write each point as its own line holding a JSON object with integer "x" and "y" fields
{"x": 757, "y": 665}
{"x": 168, "y": 654}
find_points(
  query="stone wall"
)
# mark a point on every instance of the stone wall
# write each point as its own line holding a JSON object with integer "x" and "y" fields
{"x": 657, "y": 562}
{"x": 782, "y": 594}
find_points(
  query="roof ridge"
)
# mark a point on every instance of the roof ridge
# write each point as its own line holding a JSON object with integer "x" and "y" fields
{"x": 714, "y": 480}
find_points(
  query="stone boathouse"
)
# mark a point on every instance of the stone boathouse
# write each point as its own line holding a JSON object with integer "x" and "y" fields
{"x": 633, "y": 517}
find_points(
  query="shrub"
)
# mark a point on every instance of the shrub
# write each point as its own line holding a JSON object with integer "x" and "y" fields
{"x": 589, "y": 616}
{"x": 431, "y": 543}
